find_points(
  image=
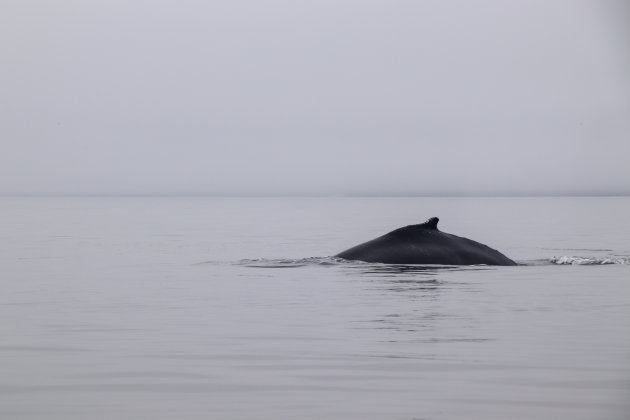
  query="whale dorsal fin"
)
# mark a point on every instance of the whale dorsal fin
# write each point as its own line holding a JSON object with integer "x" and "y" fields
{"x": 428, "y": 226}
{"x": 431, "y": 224}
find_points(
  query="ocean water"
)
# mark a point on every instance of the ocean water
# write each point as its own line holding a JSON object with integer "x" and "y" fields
{"x": 231, "y": 308}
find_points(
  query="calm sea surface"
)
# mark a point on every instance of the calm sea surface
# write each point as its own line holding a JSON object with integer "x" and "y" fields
{"x": 227, "y": 308}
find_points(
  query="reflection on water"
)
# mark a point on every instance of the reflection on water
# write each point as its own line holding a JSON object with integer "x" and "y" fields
{"x": 413, "y": 271}
{"x": 364, "y": 267}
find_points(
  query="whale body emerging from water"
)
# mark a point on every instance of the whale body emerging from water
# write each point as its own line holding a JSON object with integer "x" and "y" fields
{"x": 425, "y": 244}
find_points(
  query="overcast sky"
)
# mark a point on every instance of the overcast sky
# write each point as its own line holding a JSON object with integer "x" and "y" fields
{"x": 314, "y": 97}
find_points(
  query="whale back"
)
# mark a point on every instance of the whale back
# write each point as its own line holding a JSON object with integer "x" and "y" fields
{"x": 425, "y": 244}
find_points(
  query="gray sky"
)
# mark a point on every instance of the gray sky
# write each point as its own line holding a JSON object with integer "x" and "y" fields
{"x": 314, "y": 97}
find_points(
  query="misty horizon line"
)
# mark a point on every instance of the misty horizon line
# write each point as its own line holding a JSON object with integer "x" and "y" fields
{"x": 326, "y": 195}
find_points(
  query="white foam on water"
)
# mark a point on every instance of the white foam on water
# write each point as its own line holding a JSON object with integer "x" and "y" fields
{"x": 573, "y": 260}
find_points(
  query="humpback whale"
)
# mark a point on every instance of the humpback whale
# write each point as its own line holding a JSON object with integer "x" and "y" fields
{"x": 425, "y": 244}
